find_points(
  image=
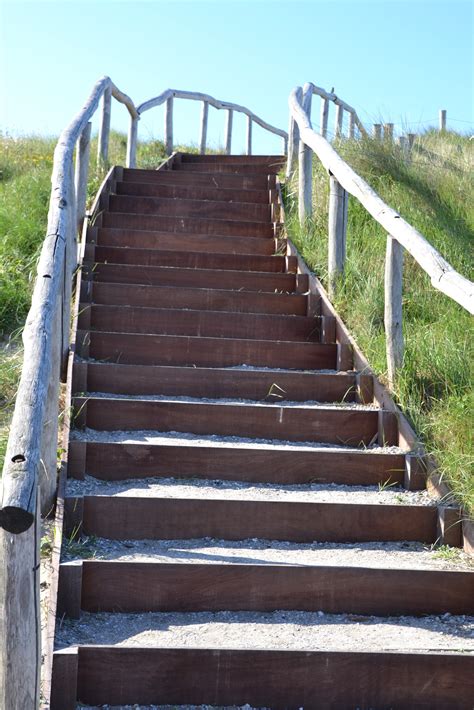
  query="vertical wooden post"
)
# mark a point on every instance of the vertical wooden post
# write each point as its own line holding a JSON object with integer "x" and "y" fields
{"x": 411, "y": 139}
{"x": 169, "y": 126}
{"x": 324, "y": 118}
{"x": 338, "y": 121}
{"x": 305, "y": 163}
{"x": 351, "y": 125}
{"x": 293, "y": 141}
{"x": 249, "y": 135}
{"x": 404, "y": 146}
{"x": 82, "y": 170}
{"x": 49, "y": 438}
{"x": 228, "y": 131}
{"x": 104, "y": 130}
{"x": 393, "y": 306}
{"x": 20, "y": 620}
{"x": 388, "y": 131}
{"x": 377, "y": 131}
{"x": 70, "y": 264}
{"x": 203, "y": 138}
{"x": 337, "y": 227}
{"x": 131, "y": 159}
{"x": 285, "y": 145}
{"x": 442, "y": 119}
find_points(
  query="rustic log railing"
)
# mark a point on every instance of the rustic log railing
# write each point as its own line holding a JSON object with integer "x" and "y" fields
{"x": 401, "y": 235}
{"x": 168, "y": 97}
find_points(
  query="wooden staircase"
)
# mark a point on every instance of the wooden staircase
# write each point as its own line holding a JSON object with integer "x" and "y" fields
{"x": 226, "y": 468}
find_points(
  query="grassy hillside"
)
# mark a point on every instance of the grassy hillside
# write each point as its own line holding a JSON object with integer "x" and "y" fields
{"x": 434, "y": 192}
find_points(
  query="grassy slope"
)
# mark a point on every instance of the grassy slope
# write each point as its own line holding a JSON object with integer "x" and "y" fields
{"x": 434, "y": 192}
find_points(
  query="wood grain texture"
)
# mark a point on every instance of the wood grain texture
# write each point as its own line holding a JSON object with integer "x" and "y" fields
{"x": 208, "y": 179}
{"x": 192, "y": 192}
{"x": 188, "y": 225}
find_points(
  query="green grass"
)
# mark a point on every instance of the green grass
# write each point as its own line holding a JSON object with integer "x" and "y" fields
{"x": 434, "y": 192}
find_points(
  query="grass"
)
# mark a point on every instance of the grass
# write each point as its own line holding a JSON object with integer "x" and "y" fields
{"x": 433, "y": 191}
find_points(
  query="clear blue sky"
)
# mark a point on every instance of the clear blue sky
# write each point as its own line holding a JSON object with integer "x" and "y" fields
{"x": 403, "y": 60}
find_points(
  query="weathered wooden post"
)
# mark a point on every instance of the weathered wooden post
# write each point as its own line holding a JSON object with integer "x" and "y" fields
{"x": 337, "y": 227}
{"x": 324, "y": 118}
{"x": 442, "y": 119}
{"x": 82, "y": 170}
{"x": 49, "y": 439}
{"x": 305, "y": 163}
{"x": 204, "y": 117}
{"x": 104, "y": 130}
{"x": 393, "y": 307}
{"x": 228, "y": 131}
{"x": 377, "y": 131}
{"x": 249, "y": 135}
{"x": 131, "y": 159}
{"x": 404, "y": 146}
{"x": 169, "y": 126}
{"x": 351, "y": 124}
{"x": 388, "y": 131}
{"x": 338, "y": 121}
{"x": 293, "y": 141}
{"x": 411, "y": 140}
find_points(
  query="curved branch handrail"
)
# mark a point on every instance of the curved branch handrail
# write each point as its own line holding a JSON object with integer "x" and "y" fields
{"x": 195, "y": 96}
{"x": 443, "y": 277}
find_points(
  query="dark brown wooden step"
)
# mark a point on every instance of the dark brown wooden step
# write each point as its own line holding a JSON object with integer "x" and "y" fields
{"x": 259, "y": 385}
{"x": 274, "y": 161}
{"x": 192, "y": 192}
{"x": 179, "y": 207}
{"x": 195, "y": 278}
{"x": 146, "y": 239}
{"x": 218, "y": 180}
{"x": 196, "y": 299}
{"x": 140, "y": 518}
{"x": 280, "y": 679}
{"x": 189, "y": 225}
{"x": 348, "y": 427}
{"x": 136, "y": 587}
{"x": 207, "y": 323}
{"x": 140, "y": 349}
{"x": 228, "y": 168}
{"x": 190, "y": 259}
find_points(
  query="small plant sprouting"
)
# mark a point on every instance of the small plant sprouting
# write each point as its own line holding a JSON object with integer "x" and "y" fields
{"x": 384, "y": 485}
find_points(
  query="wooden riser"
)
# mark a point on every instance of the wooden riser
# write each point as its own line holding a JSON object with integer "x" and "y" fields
{"x": 274, "y": 161}
{"x": 192, "y": 192}
{"x": 199, "y": 299}
{"x": 273, "y": 386}
{"x": 228, "y": 168}
{"x": 97, "y": 586}
{"x": 190, "y": 259}
{"x": 348, "y": 427}
{"x": 282, "y": 680}
{"x": 193, "y": 278}
{"x": 205, "y": 352}
{"x": 115, "y": 462}
{"x": 129, "y": 518}
{"x": 218, "y": 180}
{"x": 189, "y": 225}
{"x": 143, "y": 239}
{"x": 190, "y": 208}
{"x": 207, "y": 323}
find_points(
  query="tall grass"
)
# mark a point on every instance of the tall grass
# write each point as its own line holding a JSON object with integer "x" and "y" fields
{"x": 433, "y": 191}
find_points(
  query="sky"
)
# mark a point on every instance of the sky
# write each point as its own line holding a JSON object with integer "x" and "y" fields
{"x": 395, "y": 60}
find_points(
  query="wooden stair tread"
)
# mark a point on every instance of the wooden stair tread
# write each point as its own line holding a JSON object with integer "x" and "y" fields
{"x": 186, "y": 207}
{"x": 218, "y": 180}
{"x": 193, "y": 192}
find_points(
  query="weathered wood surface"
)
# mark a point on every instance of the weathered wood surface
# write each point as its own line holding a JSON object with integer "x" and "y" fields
{"x": 169, "y": 126}
{"x": 342, "y": 105}
{"x": 204, "y": 119}
{"x": 131, "y": 158}
{"x": 393, "y": 307}
{"x": 338, "y": 121}
{"x": 337, "y": 227}
{"x": 443, "y": 276}
{"x": 305, "y": 165}
{"x": 82, "y": 169}
{"x": 442, "y": 119}
{"x": 228, "y": 131}
{"x": 249, "y": 135}
{"x": 104, "y": 129}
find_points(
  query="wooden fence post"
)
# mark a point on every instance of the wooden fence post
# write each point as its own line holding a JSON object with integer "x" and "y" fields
{"x": 338, "y": 121}
{"x": 82, "y": 170}
{"x": 228, "y": 131}
{"x": 131, "y": 159}
{"x": 104, "y": 130}
{"x": 377, "y": 131}
{"x": 337, "y": 227}
{"x": 305, "y": 162}
{"x": 49, "y": 437}
{"x": 203, "y": 138}
{"x": 442, "y": 119}
{"x": 249, "y": 135}
{"x": 393, "y": 306}
{"x": 411, "y": 140}
{"x": 70, "y": 264}
{"x": 324, "y": 118}
{"x": 388, "y": 131}
{"x": 351, "y": 125}
{"x": 169, "y": 126}
{"x": 293, "y": 141}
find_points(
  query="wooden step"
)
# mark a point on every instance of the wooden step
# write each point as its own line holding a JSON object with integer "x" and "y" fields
{"x": 207, "y": 323}
{"x": 192, "y": 192}
{"x": 274, "y": 161}
{"x": 195, "y": 278}
{"x": 277, "y": 465}
{"x": 188, "y": 225}
{"x": 141, "y": 349}
{"x": 216, "y": 676}
{"x": 147, "y": 239}
{"x": 197, "y": 299}
{"x": 149, "y": 586}
{"x": 139, "y": 518}
{"x": 258, "y": 385}
{"x": 337, "y": 425}
{"x": 217, "y": 209}
{"x": 218, "y": 180}
{"x": 241, "y": 262}
{"x": 228, "y": 168}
